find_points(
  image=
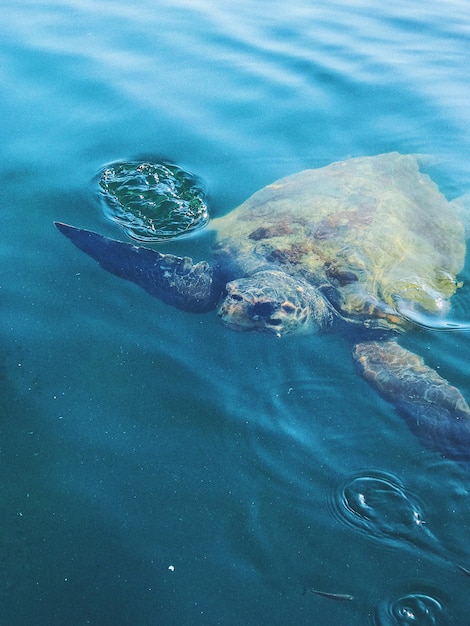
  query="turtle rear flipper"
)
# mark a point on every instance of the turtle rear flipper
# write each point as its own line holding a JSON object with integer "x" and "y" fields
{"x": 175, "y": 280}
{"x": 434, "y": 410}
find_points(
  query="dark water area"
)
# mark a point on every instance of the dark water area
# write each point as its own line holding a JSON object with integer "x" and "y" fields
{"x": 156, "y": 467}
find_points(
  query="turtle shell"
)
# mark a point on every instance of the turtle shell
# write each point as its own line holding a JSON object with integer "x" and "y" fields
{"x": 375, "y": 231}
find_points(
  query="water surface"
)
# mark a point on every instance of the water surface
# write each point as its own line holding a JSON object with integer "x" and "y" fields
{"x": 156, "y": 467}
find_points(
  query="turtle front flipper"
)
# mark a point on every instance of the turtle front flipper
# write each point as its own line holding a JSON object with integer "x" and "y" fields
{"x": 177, "y": 281}
{"x": 434, "y": 410}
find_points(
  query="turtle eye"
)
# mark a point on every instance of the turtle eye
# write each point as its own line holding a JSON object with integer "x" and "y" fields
{"x": 263, "y": 309}
{"x": 273, "y": 322}
{"x": 236, "y": 297}
{"x": 288, "y": 307}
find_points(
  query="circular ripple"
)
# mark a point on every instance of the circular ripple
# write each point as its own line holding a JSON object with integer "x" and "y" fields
{"x": 152, "y": 201}
{"x": 379, "y": 506}
{"x": 417, "y": 609}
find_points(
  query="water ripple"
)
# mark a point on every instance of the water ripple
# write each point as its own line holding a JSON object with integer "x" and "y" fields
{"x": 378, "y": 505}
{"x": 414, "y": 608}
{"x": 151, "y": 201}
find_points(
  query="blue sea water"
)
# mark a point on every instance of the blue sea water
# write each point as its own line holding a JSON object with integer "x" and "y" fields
{"x": 156, "y": 467}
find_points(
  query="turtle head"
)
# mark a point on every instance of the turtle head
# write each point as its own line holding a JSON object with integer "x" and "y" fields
{"x": 273, "y": 302}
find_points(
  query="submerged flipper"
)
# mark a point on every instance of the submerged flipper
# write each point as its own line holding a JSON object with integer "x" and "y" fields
{"x": 434, "y": 410}
{"x": 175, "y": 280}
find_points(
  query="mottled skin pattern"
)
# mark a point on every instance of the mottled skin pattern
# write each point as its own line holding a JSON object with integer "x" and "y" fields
{"x": 364, "y": 246}
{"x": 275, "y": 303}
{"x": 434, "y": 410}
{"x": 376, "y": 230}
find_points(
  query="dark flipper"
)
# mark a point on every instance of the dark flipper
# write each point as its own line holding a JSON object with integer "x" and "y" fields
{"x": 175, "y": 280}
{"x": 435, "y": 411}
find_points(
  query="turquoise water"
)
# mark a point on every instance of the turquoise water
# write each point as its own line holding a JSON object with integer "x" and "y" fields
{"x": 156, "y": 467}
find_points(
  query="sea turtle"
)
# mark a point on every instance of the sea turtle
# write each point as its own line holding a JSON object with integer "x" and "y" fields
{"x": 368, "y": 246}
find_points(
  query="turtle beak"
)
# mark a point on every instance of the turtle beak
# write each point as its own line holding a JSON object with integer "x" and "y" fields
{"x": 241, "y": 315}
{"x": 261, "y": 313}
